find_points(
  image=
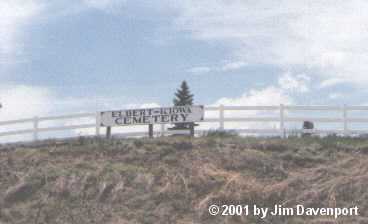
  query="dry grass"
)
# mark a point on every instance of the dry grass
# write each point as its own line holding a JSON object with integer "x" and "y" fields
{"x": 174, "y": 180}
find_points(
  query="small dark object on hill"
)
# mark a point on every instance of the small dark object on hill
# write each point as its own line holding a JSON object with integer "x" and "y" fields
{"x": 307, "y": 125}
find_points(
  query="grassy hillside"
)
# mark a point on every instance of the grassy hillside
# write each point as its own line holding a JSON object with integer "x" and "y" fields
{"x": 174, "y": 180}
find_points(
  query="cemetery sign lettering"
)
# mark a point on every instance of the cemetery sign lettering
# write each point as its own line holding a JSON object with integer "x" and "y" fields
{"x": 162, "y": 115}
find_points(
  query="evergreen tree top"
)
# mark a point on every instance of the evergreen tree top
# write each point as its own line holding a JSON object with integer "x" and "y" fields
{"x": 183, "y": 96}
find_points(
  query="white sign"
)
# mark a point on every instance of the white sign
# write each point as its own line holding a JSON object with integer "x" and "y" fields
{"x": 163, "y": 115}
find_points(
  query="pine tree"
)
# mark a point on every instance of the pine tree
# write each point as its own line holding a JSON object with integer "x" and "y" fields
{"x": 183, "y": 97}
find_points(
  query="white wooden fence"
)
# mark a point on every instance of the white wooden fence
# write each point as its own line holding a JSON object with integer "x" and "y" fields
{"x": 280, "y": 116}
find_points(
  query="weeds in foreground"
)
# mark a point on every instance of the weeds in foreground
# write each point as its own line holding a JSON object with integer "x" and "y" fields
{"x": 174, "y": 180}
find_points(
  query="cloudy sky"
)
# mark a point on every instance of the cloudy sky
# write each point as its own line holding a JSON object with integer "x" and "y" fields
{"x": 81, "y": 55}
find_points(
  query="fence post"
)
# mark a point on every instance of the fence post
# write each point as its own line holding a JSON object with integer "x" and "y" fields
{"x": 162, "y": 130}
{"x": 150, "y": 130}
{"x": 345, "y": 120}
{"x": 98, "y": 123}
{"x": 282, "y": 121}
{"x": 35, "y": 128}
{"x": 221, "y": 111}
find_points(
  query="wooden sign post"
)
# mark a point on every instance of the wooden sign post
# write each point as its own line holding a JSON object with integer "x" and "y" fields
{"x": 108, "y": 132}
{"x": 191, "y": 127}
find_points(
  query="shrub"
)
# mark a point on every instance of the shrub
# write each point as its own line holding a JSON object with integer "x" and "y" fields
{"x": 221, "y": 134}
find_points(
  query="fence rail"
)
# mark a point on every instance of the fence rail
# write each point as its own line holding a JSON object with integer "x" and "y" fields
{"x": 280, "y": 116}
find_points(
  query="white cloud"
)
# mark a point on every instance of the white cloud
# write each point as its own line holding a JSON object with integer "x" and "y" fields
{"x": 256, "y": 97}
{"x": 225, "y": 67}
{"x": 104, "y": 4}
{"x": 327, "y": 36}
{"x": 199, "y": 70}
{"x": 294, "y": 83}
{"x": 24, "y": 101}
{"x": 19, "y": 102}
{"x": 334, "y": 96}
{"x": 331, "y": 82}
{"x": 233, "y": 65}
{"x": 14, "y": 14}
{"x": 264, "y": 97}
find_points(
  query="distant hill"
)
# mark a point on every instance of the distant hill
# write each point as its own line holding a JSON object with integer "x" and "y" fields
{"x": 174, "y": 180}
